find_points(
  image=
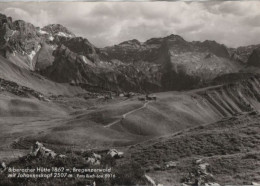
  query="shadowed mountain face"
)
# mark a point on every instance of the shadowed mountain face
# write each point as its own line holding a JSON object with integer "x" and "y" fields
{"x": 254, "y": 58}
{"x": 184, "y": 65}
{"x": 158, "y": 64}
{"x": 242, "y": 54}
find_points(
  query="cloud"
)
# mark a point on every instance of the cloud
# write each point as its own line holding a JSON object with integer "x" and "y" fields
{"x": 233, "y": 23}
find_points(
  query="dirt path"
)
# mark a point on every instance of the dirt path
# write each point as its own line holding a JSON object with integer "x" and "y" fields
{"x": 125, "y": 115}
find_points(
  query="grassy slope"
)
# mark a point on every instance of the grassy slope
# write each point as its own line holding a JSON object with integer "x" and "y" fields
{"x": 84, "y": 125}
{"x": 11, "y": 72}
{"x": 231, "y": 147}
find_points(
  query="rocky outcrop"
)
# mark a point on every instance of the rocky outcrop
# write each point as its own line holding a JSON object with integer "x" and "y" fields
{"x": 38, "y": 150}
{"x": 16, "y": 89}
{"x": 200, "y": 176}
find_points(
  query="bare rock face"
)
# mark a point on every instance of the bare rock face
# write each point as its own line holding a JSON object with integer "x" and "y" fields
{"x": 5, "y": 28}
{"x": 214, "y": 48}
{"x": 19, "y": 41}
{"x": 242, "y": 54}
{"x": 28, "y": 46}
{"x": 70, "y": 67}
{"x": 182, "y": 64}
{"x": 44, "y": 57}
{"x": 254, "y": 59}
{"x": 80, "y": 46}
{"x": 19, "y": 35}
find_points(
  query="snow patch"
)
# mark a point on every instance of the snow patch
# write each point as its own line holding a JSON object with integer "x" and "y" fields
{"x": 86, "y": 61}
{"x": 38, "y": 48}
{"x": 64, "y": 34}
{"x": 13, "y": 32}
{"x": 51, "y": 38}
{"x": 33, "y": 52}
{"x": 43, "y": 32}
{"x": 54, "y": 47}
{"x": 31, "y": 55}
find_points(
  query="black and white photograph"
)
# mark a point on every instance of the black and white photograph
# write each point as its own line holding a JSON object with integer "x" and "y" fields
{"x": 129, "y": 93}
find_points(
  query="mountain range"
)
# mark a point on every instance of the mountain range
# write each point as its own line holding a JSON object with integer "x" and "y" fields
{"x": 158, "y": 64}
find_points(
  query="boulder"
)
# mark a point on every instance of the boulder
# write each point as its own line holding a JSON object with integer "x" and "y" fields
{"x": 94, "y": 159}
{"x": 170, "y": 164}
{"x": 39, "y": 150}
{"x": 97, "y": 156}
{"x": 115, "y": 154}
{"x": 35, "y": 148}
{"x": 47, "y": 152}
{"x": 201, "y": 176}
{"x": 212, "y": 184}
{"x": 2, "y": 167}
{"x": 61, "y": 156}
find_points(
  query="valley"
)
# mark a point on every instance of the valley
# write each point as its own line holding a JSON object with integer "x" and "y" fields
{"x": 169, "y": 105}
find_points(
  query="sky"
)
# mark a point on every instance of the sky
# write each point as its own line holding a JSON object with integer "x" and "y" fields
{"x": 233, "y": 23}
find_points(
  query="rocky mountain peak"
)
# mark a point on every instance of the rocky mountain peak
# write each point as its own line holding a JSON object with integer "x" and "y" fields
{"x": 57, "y": 29}
{"x": 133, "y": 42}
{"x": 5, "y": 20}
{"x": 170, "y": 39}
{"x": 25, "y": 29}
{"x": 219, "y": 50}
{"x": 80, "y": 46}
{"x": 17, "y": 36}
{"x": 174, "y": 37}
